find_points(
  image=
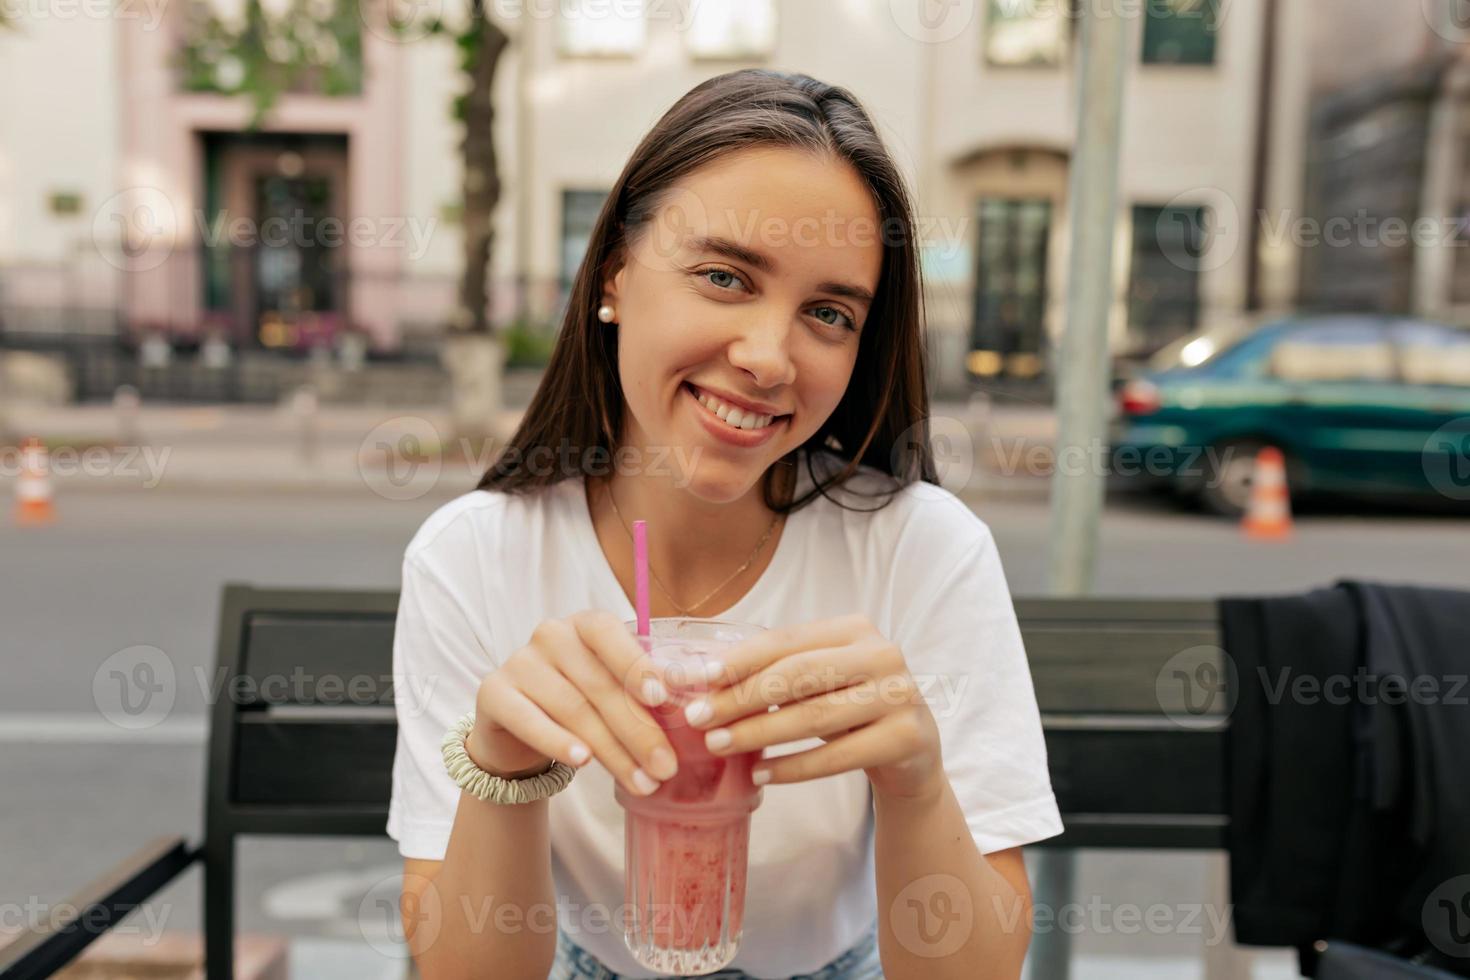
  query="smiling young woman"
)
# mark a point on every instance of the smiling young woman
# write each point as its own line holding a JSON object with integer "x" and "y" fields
{"x": 741, "y": 363}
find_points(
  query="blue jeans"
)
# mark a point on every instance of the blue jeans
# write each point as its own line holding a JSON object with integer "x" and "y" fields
{"x": 859, "y": 963}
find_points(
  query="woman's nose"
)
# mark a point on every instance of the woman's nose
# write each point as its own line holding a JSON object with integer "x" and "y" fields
{"x": 761, "y": 351}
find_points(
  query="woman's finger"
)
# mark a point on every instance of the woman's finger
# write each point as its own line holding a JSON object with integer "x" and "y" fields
{"x": 629, "y": 720}
{"x": 791, "y": 679}
{"x": 560, "y": 699}
{"x": 826, "y": 714}
{"x": 868, "y": 747}
{"x": 522, "y": 718}
{"x": 606, "y": 636}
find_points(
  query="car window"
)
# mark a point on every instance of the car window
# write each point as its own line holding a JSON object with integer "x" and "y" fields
{"x": 1196, "y": 348}
{"x": 1433, "y": 353}
{"x": 1246, "y": 359}
{"x": 1350, "y": 350}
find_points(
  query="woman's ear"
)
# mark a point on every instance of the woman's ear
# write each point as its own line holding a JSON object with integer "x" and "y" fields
{"x": 613, "y": 285}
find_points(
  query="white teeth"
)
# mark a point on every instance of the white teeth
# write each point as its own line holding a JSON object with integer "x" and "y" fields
{"x": 756, "y": 421}
{"x": 734, "y": 417}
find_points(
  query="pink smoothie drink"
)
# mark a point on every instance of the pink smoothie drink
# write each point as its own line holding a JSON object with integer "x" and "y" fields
{"x": 687, "y": 844}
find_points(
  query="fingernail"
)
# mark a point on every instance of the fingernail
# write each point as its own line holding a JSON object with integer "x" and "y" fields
{"x": 714, "y": 670}
{"x": 760, "y": 776}
{"x": 663, "y": 763}
{"x": 654, "y": 692}
{"x": 698, "y": 711}
{"x": 717, "y": 738}
{"x": 642, "y": 781}
{"x": 579, "y": 754}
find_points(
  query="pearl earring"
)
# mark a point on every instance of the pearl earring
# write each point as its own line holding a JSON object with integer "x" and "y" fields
{"x": 605, "y": 313}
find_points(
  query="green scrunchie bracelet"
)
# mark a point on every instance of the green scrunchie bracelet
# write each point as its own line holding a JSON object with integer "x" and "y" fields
{"x": 496, "y": 789}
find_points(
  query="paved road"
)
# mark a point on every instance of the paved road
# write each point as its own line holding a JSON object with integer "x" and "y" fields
{"x": 145, "y": 567}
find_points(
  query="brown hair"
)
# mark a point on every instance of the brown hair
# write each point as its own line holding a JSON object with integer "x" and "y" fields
{"x": 882, "y": 419}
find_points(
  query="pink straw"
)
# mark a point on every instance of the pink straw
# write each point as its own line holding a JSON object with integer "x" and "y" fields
{"x": 640, "y": 574}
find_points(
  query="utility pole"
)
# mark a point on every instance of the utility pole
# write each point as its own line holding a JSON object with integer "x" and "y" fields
{"x": 1082, "y": 381}
{"x": 1083, "y": 369}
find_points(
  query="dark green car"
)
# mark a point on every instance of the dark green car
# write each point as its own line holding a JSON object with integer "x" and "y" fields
{"x": 1359, "y": 405}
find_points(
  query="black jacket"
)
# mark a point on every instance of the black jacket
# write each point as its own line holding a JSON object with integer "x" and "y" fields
{"x": 1348, "y": 766}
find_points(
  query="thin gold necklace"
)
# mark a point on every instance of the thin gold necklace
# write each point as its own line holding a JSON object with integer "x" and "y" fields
{"x": 686, "y": 610}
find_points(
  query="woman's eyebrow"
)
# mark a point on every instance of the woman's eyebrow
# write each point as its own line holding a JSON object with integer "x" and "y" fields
{"x": 740, "y": 253}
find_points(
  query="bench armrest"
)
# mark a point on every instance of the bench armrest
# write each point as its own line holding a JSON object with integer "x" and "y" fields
{"x": 43, "y": 949}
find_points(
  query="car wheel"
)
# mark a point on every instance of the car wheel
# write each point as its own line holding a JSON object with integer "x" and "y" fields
{"x": 1229, "y": 471}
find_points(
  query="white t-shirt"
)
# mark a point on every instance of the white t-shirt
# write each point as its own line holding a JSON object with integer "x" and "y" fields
{"x": 485, "y": 568}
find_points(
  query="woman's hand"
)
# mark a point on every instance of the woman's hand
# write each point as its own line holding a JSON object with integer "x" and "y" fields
{"x": 837, "y": 679}
{"x": 578, "y": 690}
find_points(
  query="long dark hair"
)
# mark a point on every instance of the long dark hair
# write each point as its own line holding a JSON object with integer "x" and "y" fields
{"x": 882, "y": 419}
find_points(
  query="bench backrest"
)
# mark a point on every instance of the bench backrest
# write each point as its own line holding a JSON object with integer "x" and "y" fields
{"x": 303, "y": 734}
{"x": 1135, "y": 711}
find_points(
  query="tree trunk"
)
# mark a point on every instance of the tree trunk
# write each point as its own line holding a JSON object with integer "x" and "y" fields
{"x": 471, "y": 349}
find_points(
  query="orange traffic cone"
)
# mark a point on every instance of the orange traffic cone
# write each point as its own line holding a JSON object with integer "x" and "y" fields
{"x": 1269, "y": 513}
{"x": 33, "y": 503}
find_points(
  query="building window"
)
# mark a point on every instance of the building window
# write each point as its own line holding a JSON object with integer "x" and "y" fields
{"x": 1460, "y": 274}
{"x": 1007, "y": 334}
{"x": 1028, "y": 33}
{"x": 1163, "y": 289}
{"x": 1180, "y": 32}
{"x": 579, "y": 211}
{"x": 597, "y": 28}
{"x": 732, "y": 29}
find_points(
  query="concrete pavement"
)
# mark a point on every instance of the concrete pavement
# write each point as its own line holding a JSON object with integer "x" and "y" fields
{"x": 402, "y": 454}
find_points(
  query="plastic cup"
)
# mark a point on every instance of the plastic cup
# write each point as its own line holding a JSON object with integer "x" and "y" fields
{"x": 686, "y": 847}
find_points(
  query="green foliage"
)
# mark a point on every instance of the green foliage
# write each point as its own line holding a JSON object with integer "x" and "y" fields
{"x": 468, "y": 43}
{"x": 528, "y": 343}
{"x": 314, "y": 46}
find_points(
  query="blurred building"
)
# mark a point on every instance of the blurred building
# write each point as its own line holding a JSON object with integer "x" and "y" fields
{"x": 124, "y": 171}
{"x": 1212, "y": 133}
{"x": 1386, "y": 214}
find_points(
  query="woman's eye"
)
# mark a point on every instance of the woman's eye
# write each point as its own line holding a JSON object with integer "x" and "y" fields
{"x": 841, "y": 317}
{"x": 729, "y": 276}
{"x": 726, "y": 280}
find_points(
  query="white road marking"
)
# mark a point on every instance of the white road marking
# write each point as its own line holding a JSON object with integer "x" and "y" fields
{"x": 82, "y": 727}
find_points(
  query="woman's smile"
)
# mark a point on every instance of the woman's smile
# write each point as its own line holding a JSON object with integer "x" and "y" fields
{"x": 731, "y": 425}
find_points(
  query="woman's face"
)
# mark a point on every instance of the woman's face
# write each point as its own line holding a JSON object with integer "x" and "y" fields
{"x": 753, "y": 281}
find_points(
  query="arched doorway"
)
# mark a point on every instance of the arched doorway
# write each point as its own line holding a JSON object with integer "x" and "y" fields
{"x": 1016, "y": 198}
{"x": 285, "y": 284}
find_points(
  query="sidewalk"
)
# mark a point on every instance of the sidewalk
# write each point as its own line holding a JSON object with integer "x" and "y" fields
{"x": 402, "y": 454}
{"x": 395, "y": 453}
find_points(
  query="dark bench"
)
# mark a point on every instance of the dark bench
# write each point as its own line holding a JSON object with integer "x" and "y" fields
{"x": 302, "y": 742}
